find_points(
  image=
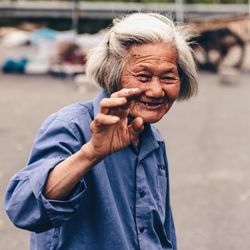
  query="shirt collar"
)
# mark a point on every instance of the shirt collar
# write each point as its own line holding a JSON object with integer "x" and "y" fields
{"x": 150, "y": 140}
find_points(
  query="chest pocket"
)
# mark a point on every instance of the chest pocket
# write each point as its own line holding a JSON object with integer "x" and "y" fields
{"x": 162, "y": 185}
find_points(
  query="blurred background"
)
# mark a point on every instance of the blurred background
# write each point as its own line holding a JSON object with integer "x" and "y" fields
{"x": 43, "y": 48}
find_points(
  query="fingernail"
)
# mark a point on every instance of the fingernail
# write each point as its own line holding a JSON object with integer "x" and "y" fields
{"x": 134, "y": 89}
{"x": 115, "y": 118}
{"x": 127, "y": 91}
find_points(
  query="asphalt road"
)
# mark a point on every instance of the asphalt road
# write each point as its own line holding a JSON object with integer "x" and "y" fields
{"x": 208, "y": 143}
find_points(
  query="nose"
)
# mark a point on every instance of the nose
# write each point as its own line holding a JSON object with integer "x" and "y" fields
{"x": 154, "y": 88}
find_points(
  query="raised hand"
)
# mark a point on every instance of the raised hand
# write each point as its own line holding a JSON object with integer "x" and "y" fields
{"x": 110, "y": 128}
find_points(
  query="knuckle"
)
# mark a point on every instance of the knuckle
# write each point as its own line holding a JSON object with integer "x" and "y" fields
{"x": 125, "y": 91}
{"x": 116, "y": 94}
{"x": 97, "y": 118}
{"x": 103, "y": 101}
{"x": 92, "y": 126}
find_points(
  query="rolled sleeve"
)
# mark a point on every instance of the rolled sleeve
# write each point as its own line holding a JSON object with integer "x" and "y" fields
{"x": 59, "y": 211}
{"x": 25, "y": 203}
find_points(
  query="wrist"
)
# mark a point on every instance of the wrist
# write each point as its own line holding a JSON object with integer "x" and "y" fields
{"x": 88, "y": 153}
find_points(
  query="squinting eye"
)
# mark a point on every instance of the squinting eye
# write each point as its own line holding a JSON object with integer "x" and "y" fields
{"x": 143, "y": 78}
{"x": 167, "y": 79}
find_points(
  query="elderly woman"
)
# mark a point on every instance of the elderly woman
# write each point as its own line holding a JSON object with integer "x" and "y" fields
{"x": 97, "y": 177}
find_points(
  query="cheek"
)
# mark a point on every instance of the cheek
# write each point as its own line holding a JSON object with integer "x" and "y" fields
{"x": 126, "y": 81}
{"x": 173, "y": 91}
{"x": 130, "y": 83}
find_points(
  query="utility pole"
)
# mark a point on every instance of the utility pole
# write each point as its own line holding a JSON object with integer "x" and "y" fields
{"x": 179, "y": 11}
{"x": 75, "y": 15}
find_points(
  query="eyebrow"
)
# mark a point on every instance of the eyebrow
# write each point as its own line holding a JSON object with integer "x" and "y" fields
{"x": 146, "y": 68}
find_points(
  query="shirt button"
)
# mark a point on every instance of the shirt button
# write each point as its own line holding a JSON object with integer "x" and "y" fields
{"x": 142, "y": 194}
{"x": 142, "y": 229}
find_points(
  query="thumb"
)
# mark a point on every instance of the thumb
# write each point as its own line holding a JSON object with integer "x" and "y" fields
{"x": 135, "y": 128}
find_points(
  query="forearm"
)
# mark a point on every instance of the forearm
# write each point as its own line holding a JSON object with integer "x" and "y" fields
{"x": 67, "y": 174}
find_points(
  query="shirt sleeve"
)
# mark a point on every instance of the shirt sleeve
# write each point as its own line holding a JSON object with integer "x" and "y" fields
{"x": 25, "y": 203}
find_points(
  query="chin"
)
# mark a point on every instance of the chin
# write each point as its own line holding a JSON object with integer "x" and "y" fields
{"x": 150, "y": 120}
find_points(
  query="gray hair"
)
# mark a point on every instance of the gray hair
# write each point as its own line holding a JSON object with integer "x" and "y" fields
{"x": 106, "y": 62}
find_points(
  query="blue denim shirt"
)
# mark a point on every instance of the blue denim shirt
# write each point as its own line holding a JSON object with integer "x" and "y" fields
{"x": 121, "y": 204}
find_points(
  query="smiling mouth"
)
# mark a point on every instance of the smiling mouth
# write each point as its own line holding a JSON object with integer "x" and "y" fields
{"x": 151, "y": 105}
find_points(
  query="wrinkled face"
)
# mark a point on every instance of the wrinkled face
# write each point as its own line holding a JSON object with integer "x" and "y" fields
{"x": 153, "y": 68}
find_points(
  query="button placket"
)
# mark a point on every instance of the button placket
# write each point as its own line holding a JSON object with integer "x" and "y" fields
{"x": 141, "y": 208}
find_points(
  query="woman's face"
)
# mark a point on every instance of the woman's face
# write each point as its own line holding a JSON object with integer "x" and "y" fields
{"x": 153, "y": 68}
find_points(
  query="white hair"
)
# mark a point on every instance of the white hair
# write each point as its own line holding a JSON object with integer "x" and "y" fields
{"x": 106, "y": 61}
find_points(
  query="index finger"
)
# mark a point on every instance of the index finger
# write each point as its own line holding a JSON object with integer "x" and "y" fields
{"x": 128, "y": 92}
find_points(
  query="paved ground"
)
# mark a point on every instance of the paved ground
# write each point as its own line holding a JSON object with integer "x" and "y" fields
{"x": 208, "y": 142}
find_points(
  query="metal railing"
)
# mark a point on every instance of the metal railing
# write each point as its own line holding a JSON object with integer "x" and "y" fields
{"x": 108, "y": 10}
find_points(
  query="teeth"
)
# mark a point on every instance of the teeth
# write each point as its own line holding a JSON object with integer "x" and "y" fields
{"x": 150, "y": 104}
